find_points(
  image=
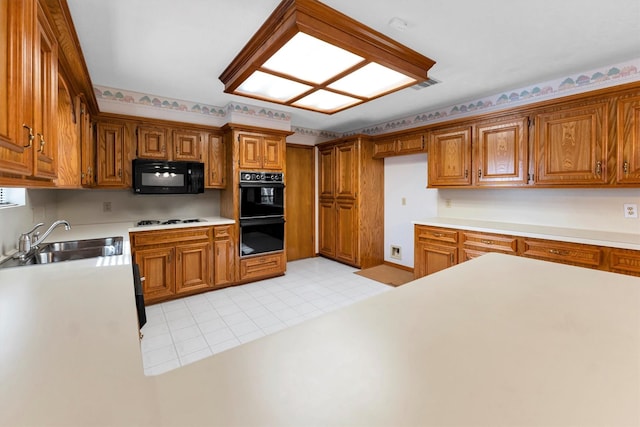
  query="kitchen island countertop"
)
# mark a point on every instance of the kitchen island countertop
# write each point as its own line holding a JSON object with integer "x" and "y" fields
{"x": 498, "y": 341}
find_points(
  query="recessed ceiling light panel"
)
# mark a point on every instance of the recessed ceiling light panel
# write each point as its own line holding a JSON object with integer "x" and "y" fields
{"x": 317, "y": 48}
{"x": 310, "y": 59}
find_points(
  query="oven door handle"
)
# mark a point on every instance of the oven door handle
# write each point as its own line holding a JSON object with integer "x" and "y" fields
{"x": 261, "y": 221}
{"x": 261, "y": 184}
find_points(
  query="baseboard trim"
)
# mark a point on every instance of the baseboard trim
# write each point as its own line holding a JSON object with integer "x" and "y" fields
{"x": 401, "y": 267}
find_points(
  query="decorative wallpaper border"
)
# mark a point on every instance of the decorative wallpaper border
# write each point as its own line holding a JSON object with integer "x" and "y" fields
{"x": 607, "y": 76}
{"x": 583, "y": 82}
{"x": 137, "y": 98}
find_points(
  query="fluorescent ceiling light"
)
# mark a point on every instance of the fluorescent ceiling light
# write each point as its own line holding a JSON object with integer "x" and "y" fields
{"x": 372, "y": 80}
{"x": 311, "y": 56}
{"x": 323, "y": 100}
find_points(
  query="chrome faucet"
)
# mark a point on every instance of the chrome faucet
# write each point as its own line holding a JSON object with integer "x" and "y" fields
{"x": 25, "y": 244}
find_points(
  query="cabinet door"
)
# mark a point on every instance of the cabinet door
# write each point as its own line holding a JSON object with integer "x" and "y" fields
{"x": 186, "y": 145}
{"x": 501, "y": 152}
{"x": 327, "y": 226}
{"x": 157, "y": 268}
{"x": 273, "y": 153}
{"x": 216, "y": 162}
{"x": 111, "y": 154}
{"x": 16, "y": 149}
{"x": 250, "y": 152}
{"x": 152, "y": 143}
{"x": 87, "y": 146}
{"x": 410, "y": 144}
{"x": 431, "y": 258}
{"x": 193, "y": 267}
{"x": 326, "y": 172}
{"x": 223, "y": 262}
{"x": 45, "y": 99}
{"x": 347, "y": 232}
{"x": 384, "y": 148}
{"x": 347, "y": 168}
{"x": 571, "y": 146}
{"x": 628, "y": 171}
{"x": 450, "y": 157}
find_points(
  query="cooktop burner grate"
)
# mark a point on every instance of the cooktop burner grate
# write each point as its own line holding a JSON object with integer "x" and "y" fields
{"x": 166, "y": 222}
{"x": 148, "y": 222}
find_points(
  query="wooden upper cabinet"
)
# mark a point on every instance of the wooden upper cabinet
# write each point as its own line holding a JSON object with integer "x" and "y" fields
{"x": 450, "y": 157}
{"x": 501, "y": 152}
{"x": 326, "y": 172}
{"x": 152, "y": 142}
{"x": 216, "y": 162}
{"x": 628, "y": 170}
{"x": 186, "y": 145}
{"x": 16, "y": 153}
{"x": 273, "y": 153}
{"x": 113, "y": 163}
{"x": 347, "y": 167}
{"x": 87, "y": 145}
{"x": 45, "y": 102}
{"x": 399, "y": 145}
{"x": 261, "y": 152}
{"x": 571, "y": 145}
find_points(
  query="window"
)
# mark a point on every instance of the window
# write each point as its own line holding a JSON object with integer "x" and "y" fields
{"x": 11, "y": 197}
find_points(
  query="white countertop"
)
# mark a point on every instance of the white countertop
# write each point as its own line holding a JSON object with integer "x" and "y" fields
{"x": 575, "y": 235}
{"x": 497, "y": 341}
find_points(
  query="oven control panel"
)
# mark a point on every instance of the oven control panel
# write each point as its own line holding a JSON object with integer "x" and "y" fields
{"x": 261, "y": 177}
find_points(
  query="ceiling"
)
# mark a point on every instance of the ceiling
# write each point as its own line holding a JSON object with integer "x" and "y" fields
{"x": 177, "y": 49}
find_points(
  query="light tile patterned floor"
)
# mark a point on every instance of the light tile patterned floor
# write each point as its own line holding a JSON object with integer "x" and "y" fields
{"x": 186, "y": 330}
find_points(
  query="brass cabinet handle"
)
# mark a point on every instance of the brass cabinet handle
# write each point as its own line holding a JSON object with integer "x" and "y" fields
{"x": 42, "y": 142}
{"x": 451, "y": 258}
{"x": 479, "y": 173}
{"x": 625, "y": 167}
{"x": 466, "y": 173}
{"x": 31, "y": 136}
{"x": 558, "y": 252}
{"x": 598, "y": 168}
{"x": 487, "y": 242}
{"x": 120, "y": 173}
{"x": 437, "y": 234}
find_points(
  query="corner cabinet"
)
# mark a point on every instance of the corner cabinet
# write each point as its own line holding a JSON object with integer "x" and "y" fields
{"x": 435, "y": 250}
{"x": 351, "y": 205}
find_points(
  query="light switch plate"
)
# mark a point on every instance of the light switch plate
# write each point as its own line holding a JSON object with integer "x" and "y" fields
{"x": 630, "y": 210}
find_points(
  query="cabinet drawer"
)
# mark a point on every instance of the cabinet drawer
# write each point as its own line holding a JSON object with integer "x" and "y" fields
{"x": 567, "y": 253}
{"x": 625, "y": 261}
{"x": 434, "y": 233}
{"x": 222, "y": 232}
{"x": 490, "y": 242}
{"x": 261, "y": 266}
{"x": 158, "y": 237}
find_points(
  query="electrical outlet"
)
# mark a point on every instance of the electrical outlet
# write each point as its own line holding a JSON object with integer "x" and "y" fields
{"x": 395, "y": 252}
{"x": 630, "y": 210}
{"x": 106, "y": 206}
{"x": 447, "y": 203}
{"x": 404, "y": 201}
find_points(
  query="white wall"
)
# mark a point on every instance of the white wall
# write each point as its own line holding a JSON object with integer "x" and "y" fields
{"x": 598, "y": 209}
{"x": 40, "y": 206}
{"x": 405, "y": 177}
{"x": 86, "y": 206}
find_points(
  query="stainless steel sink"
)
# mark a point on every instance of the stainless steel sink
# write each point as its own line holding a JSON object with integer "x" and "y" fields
{"x": 70, "y": 250}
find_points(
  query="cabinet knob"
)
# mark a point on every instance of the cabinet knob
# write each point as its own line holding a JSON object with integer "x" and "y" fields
{"x": 31, "y": 136}
{"x": 625, "y": 167}
{"x": 466, "y": 173}
{"x": 598, "y": 168}
{"x": 479, "y": 173}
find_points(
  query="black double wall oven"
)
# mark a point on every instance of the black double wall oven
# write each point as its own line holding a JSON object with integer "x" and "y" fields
{"x": 261, "y": 212}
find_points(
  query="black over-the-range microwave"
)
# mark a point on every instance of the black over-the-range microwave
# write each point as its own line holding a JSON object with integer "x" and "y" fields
{"x": 160, "y": 177}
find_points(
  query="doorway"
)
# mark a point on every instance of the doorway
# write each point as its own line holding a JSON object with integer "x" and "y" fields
{"x": 300, "y": 202}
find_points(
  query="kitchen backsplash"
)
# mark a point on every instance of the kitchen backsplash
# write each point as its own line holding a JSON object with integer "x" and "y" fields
{"x": 104, "y": 206}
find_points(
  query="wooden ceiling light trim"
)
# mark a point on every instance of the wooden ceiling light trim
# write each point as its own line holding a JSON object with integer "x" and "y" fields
{"x": 324, "y": 23}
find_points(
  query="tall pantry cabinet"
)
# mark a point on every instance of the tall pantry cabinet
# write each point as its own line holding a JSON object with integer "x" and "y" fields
{"x": 351, "y": 202}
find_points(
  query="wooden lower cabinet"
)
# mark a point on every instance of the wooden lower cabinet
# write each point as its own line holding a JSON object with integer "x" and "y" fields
{"x": 174, "y": 262}
{"x": 262, "y": 266}
{"x": 437, "y": 248}
{"x": 223, "y": 255}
